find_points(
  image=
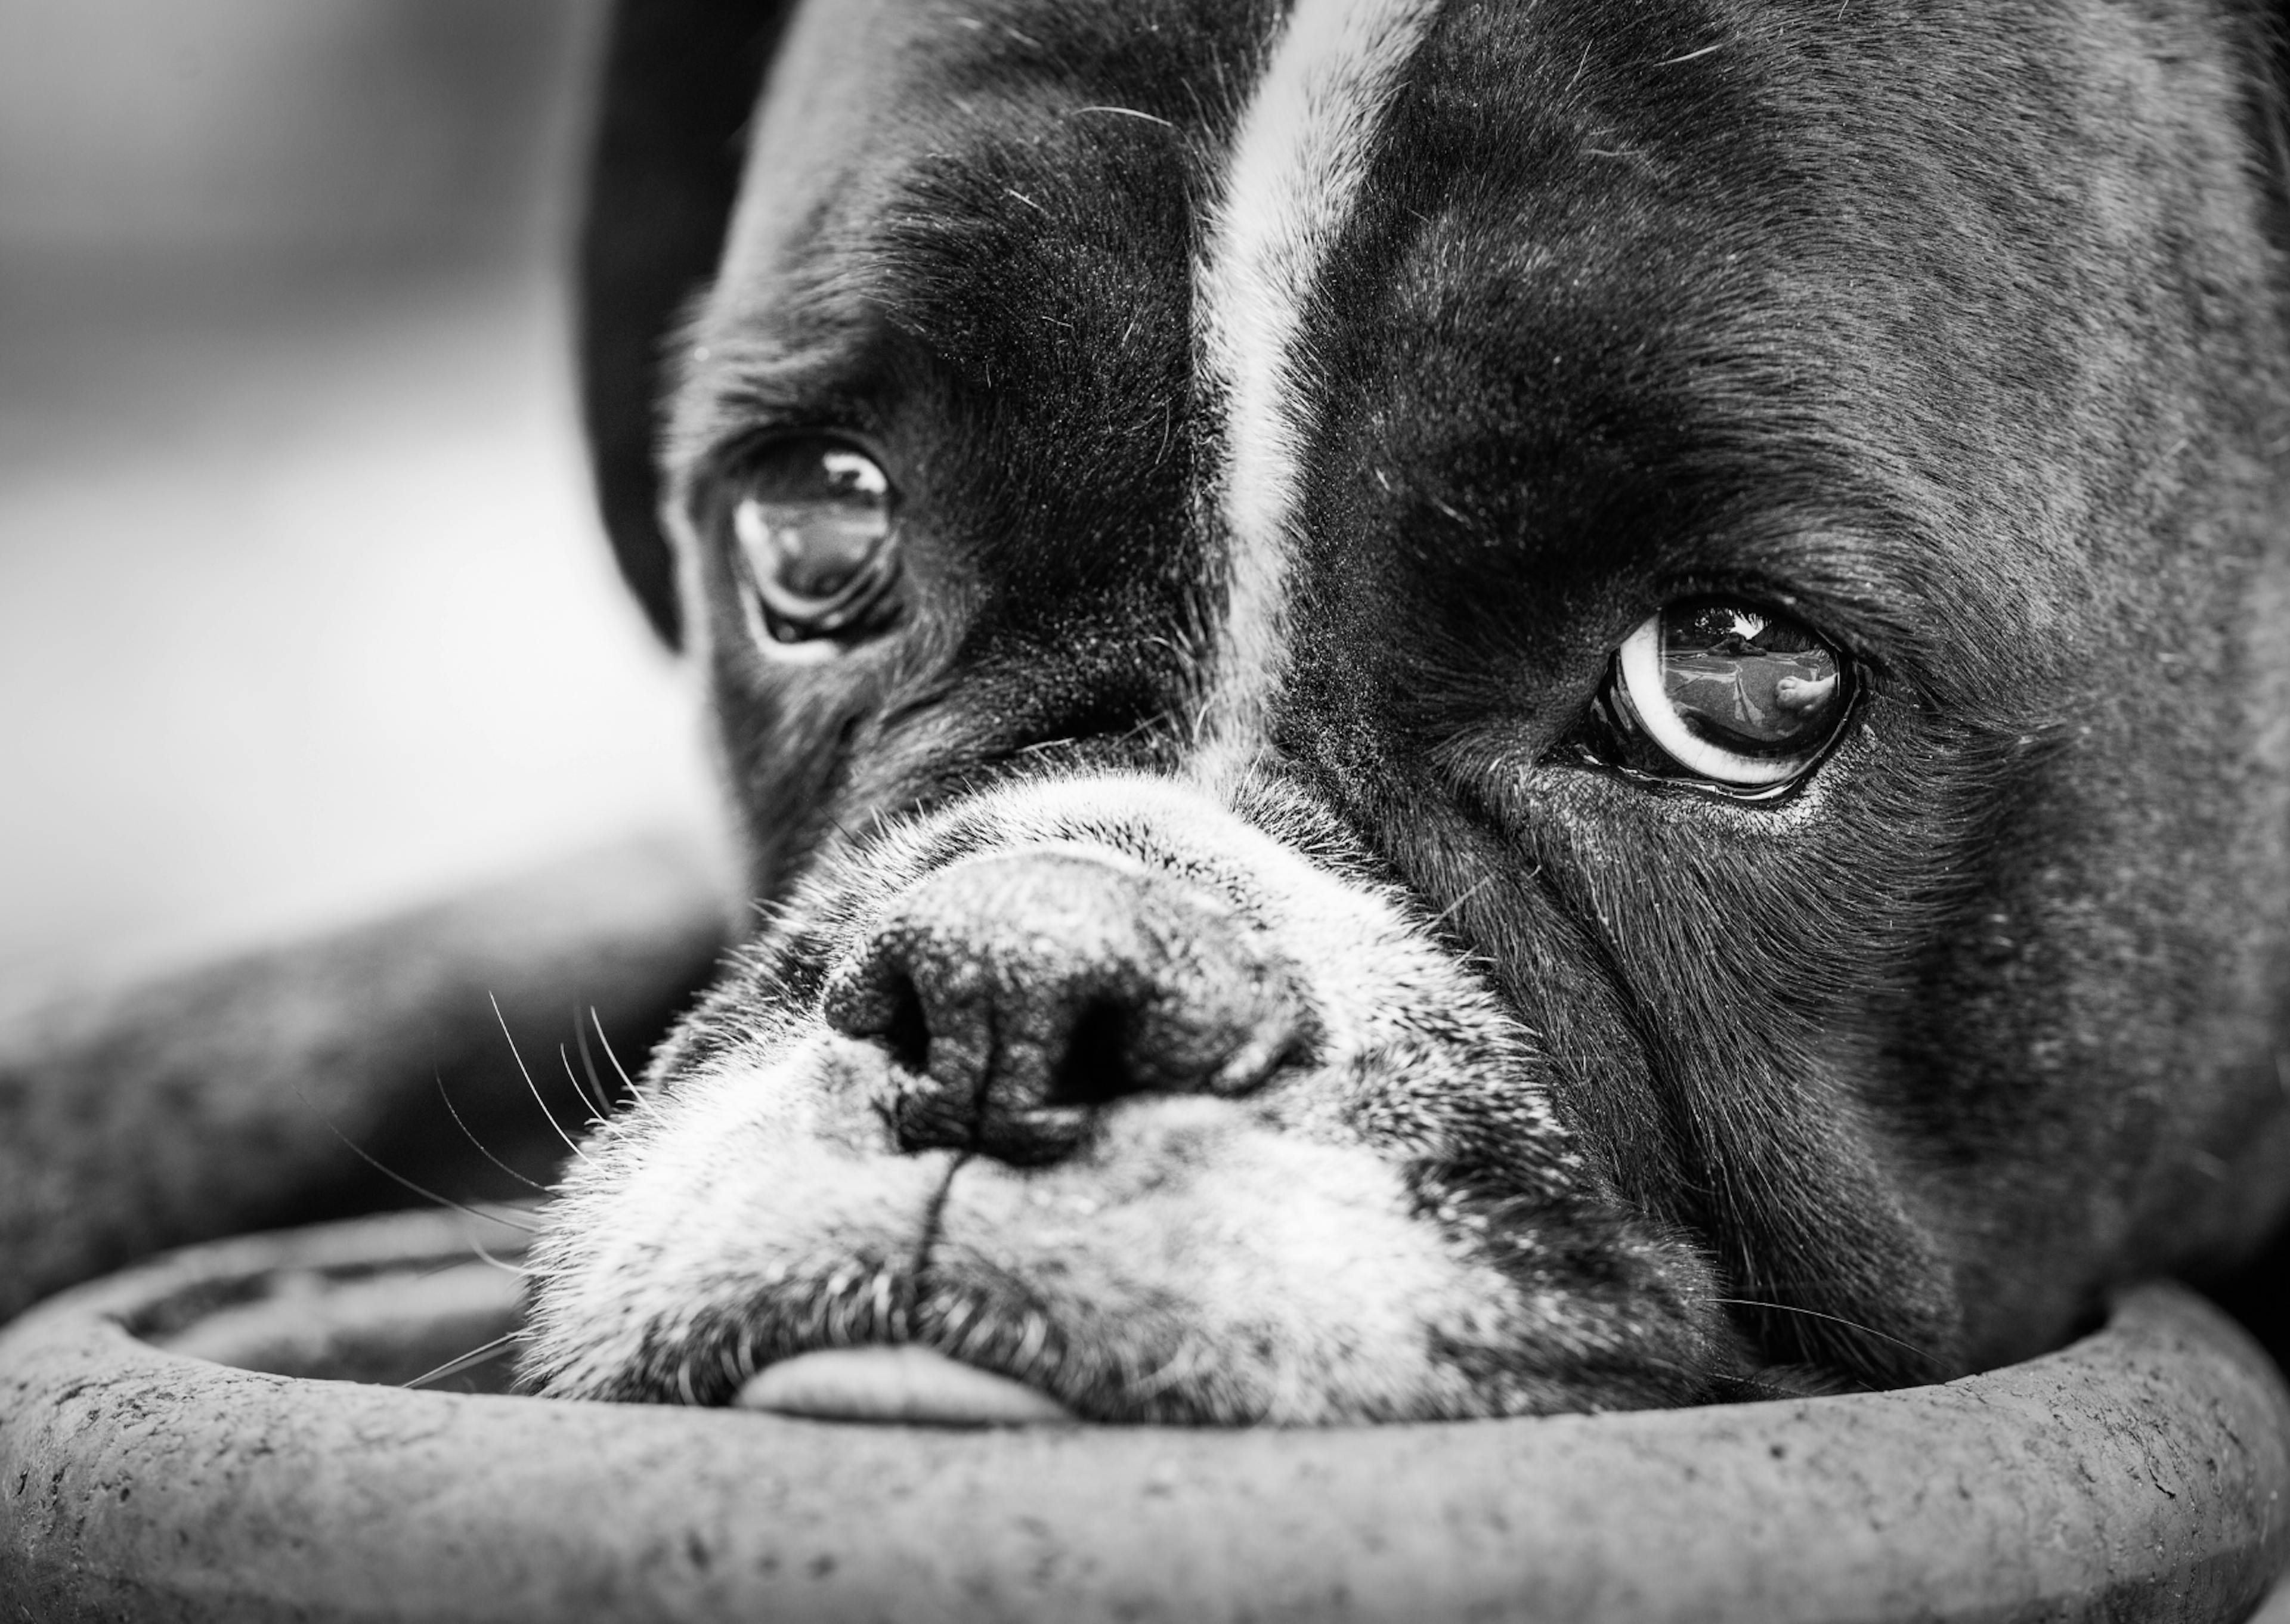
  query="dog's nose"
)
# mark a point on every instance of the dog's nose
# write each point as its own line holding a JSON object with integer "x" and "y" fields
{"x": 1024, "y": 992}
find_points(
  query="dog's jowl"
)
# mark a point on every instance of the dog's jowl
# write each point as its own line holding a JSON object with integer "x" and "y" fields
{"x": 1455, "y": 709}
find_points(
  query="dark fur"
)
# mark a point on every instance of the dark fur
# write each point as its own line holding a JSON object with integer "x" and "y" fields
{"x": 1827, "y": 314}
{"x": 1955, "y": 327}
{"x": 1738, "y": 339}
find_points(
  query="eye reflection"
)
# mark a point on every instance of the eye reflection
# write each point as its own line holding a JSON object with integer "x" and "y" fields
{"x": 1744, "y": 679}
{"x": 1731, "y": 692}
{"x": 814, "y": 523}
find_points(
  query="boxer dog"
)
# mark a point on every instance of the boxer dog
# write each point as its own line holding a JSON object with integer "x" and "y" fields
{"x": 1446, "y": 707}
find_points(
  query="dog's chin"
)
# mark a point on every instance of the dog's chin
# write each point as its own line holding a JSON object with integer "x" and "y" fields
{"x": 883, "y": 1349}
{"x": 1198, "y": 1264}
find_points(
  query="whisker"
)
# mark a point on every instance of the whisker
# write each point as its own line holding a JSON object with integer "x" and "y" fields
{"x": 395, "y": 1177}
{"x": 502, "y": 1264}
{"x": 606, "y": 1043}
{"x": 1764, "y": 1389}
{"x": 530, "y": 1083}
{"x": 482, "y": 1256}
{"x": 1834, "y": 1319}
{"x": 586, "y": 1104}
{"x": 1150, "y": 118}
{"x": 474, "y": 1140}
{"x": 1447, "y": 912}
{"x": 598, "y": 1094}
{"x": 484, "y": 1354}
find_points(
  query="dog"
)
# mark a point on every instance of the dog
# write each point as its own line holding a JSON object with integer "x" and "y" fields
{"x": 1446, "y": 708}
{"x": 1438, "y": 709}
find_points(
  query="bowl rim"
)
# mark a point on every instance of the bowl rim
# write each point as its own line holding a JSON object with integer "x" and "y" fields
{"x": 2143, "y": 1471}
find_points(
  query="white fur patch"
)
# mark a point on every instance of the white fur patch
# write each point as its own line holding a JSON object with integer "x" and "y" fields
{"x": 1263, "y": 1260}
{"x": 1297, "y": 166}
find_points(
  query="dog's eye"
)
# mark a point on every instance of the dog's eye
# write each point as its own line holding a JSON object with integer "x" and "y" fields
{"x": 1738, "y": 697}
{"x": 815, "y": 519}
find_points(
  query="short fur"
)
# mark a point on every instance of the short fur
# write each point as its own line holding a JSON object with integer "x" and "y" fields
{"x": 1954, "y": 330}
{"x": 1198, "y": 972}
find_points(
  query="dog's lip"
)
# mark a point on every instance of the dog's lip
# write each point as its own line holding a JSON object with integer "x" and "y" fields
{"x": 896, "y": 1383}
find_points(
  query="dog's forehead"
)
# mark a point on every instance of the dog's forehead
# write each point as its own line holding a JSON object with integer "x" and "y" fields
{"x": 1483, "y": 171}
{"x": 1563, "y": 294}
{"x": 901, "y": 150}
{"x": 900, "y": 147}
{"x": 1211, "y": 212}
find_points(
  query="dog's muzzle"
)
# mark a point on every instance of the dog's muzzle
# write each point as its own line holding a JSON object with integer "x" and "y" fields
{"x": 1154, "y": 1103}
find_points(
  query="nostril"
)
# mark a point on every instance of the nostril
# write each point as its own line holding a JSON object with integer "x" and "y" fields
{"x": 880, "y": 1002}
{"x": 906, "y": 1031}
{"x": 1094, "y": 1068}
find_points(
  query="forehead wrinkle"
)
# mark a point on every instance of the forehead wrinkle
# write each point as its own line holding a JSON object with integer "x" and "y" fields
{"x": 927, "y": 241}
{"x": 736, "y": 377}
{"x": 805, "y": 339}
{"x": 1048, "y": 213}
{"x": 852, "y": 209}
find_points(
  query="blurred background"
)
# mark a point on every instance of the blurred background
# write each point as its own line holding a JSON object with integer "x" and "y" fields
{"x": 303, "y": 610}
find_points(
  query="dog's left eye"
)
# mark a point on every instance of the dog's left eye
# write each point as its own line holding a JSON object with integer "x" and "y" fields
{"x": 1727, "y": 693}
{"x": 815, "y": 523}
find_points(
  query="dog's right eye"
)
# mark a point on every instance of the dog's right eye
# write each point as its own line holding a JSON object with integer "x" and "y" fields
{"x": 816, "y": 522}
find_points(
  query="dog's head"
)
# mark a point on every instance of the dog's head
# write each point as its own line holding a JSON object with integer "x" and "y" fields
{"x": 1453, "y": 709}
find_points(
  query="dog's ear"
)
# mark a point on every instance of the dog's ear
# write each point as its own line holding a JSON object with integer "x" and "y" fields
{"x": 680, "y": 78}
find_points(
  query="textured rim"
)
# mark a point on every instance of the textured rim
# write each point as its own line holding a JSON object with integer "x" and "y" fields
{"x": 2143, "y": 1473}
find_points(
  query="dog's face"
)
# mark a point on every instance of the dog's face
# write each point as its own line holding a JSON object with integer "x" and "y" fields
{"x": 1469, "y": 709}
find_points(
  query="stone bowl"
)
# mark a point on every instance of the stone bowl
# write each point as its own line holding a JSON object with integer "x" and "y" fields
{"x": 216, "y": 1435}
